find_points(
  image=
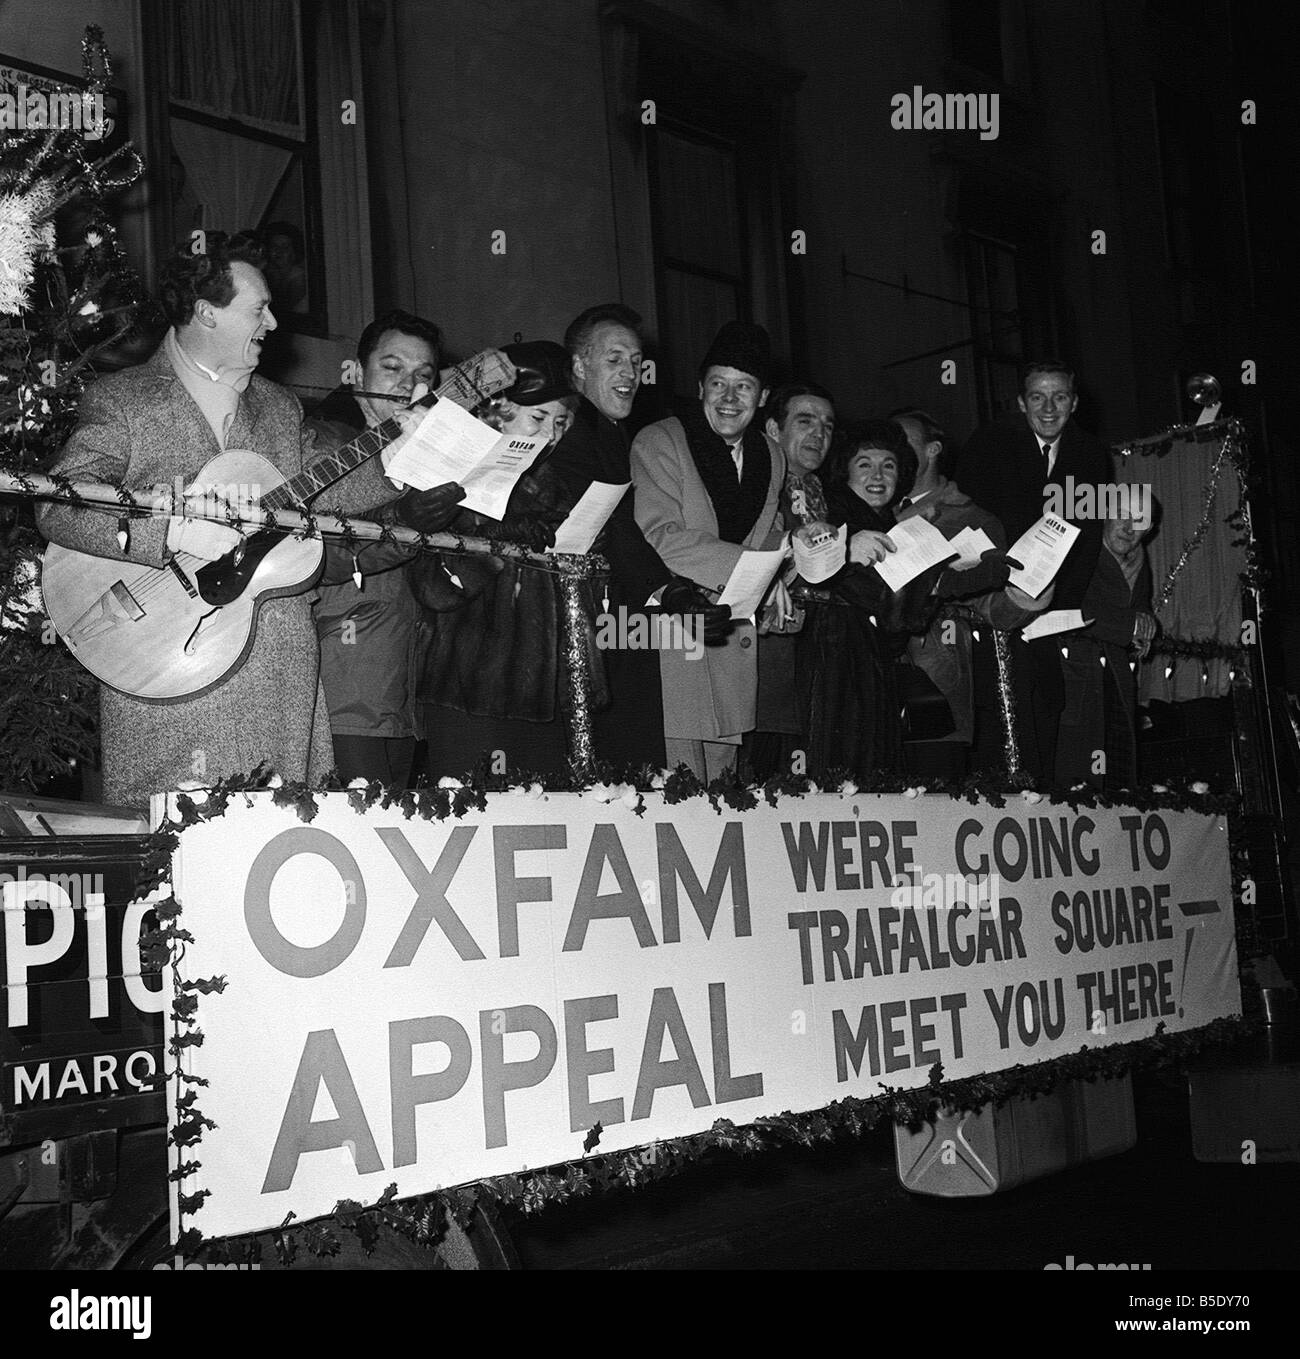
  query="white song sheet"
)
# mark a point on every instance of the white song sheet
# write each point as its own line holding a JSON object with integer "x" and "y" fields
{"x": 588, "y": 517}
{"x": 1041, "y": 550}
{"x": 820, "y": 558}
{"x": 919, "y": 546}
{"x": 1054, "y": 621}
{"x": 970, "y": 545}
{"x": 449, "y": 444}
{"x": 749, "y": 580}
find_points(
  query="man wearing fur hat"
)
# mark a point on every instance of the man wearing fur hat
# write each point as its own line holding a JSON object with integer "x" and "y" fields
{"x": 707, "y": 488}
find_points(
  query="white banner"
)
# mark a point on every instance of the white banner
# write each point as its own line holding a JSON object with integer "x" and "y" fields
{"x": 434, "y": 1002}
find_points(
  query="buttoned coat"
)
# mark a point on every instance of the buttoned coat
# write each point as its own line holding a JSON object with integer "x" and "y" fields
{"x": 713, "y": 697}
{"x": 141, "y": 428}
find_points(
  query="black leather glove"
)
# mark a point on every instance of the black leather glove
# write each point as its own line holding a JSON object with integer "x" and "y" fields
{"x": 432, "y": 510}
{"x": 991, "y": 574}
{"x": 685, "y": 597}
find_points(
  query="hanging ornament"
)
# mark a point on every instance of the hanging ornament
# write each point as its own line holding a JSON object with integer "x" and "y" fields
{"x": 1204, "y": 389}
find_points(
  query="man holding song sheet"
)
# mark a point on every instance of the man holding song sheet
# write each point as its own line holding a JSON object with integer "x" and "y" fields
{"x": 197, "y": 400}
{"x": 1011, "y": 467}
{"x": 707, "y": 488}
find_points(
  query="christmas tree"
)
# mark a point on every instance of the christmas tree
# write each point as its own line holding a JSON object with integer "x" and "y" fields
{"x": 67, "y": 299}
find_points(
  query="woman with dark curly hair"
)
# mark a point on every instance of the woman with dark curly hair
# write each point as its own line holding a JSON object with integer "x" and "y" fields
{"x": 855, "y": 625}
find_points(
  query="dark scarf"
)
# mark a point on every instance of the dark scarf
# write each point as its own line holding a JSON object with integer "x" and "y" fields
{"x": 737, "y": 504}
{"x": 843, "y": 507}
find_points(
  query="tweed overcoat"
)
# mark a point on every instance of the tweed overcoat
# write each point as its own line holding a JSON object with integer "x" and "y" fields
{"x": 141, "y": 427}
{"x": 713, "y": 697}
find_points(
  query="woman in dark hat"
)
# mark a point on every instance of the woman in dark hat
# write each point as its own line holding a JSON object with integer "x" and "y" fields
{"x": 490, "y": 679}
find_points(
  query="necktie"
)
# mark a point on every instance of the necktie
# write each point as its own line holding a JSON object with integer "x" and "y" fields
{"x": 1047, "y": 456}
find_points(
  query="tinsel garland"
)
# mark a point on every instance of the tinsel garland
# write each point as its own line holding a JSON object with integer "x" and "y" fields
{"x": 425, "y": 1218}
{"x": 1234, "y": 450}
{"x": 25, "y": 234}
{"x": 1158, "y": 445}
{"x": 67, "y": 297}
{"x": 132, "y": 505}
{"x": 1203, "y": 649}
{"x": 1198, "y": 534}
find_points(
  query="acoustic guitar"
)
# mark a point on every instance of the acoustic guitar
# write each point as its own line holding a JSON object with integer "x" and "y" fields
{"x": 165, "y": 634}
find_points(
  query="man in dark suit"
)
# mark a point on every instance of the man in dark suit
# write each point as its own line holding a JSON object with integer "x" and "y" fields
{"x": 1100, "y": 718}
{"x": 605, "y": 348}
{"x": 1016, "y": 468}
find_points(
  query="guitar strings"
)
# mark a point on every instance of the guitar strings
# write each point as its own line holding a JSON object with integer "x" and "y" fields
{"x": 155, "y": 580}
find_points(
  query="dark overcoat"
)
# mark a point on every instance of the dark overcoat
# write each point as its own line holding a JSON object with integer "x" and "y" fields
{"x": 1100, "y": 711}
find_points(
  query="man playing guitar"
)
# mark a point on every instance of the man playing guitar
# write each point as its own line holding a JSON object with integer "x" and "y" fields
{"x": 197, "y": 398}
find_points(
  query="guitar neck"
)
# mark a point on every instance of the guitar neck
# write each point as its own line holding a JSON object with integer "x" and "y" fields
{"x": 327, "y": 469}
{"x": 330, "y": 467}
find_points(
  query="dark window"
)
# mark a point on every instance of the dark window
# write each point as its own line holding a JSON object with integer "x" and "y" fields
{"x": 238, "y": 107}
{"x": 717, "y": 226}
{"x": 992, "y": 278}
{"x": 1192, "y": 194}
{"x": 976, "y": 31}
{"x": 697, "y": 225}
